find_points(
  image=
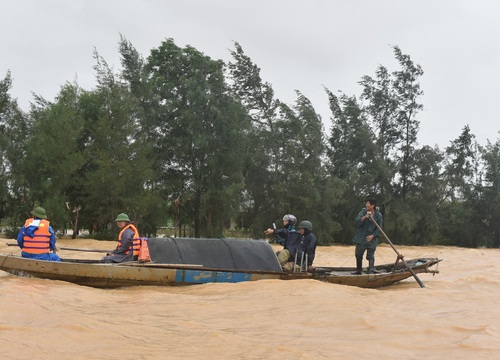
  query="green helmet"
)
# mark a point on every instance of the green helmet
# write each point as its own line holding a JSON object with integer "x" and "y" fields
{"x": 39, "y": 212}
{"x": 306, "y": 224}
{"x": 122, "y": 217}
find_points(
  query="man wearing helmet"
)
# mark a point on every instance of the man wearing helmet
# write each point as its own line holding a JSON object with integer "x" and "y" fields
{"x": 292, "y": 244}
{"x": 36, "y": 238}
{"x": 128, "y": 245}
{"x": 308, "y": 244}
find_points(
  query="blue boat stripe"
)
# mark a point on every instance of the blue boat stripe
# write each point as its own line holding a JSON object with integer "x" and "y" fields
{"x": 186, "y": 276}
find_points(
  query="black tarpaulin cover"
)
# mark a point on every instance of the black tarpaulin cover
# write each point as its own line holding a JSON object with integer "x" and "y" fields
{"x": 231, "y": 254}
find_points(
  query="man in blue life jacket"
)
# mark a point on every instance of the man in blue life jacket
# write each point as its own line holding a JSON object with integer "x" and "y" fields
{"x": 36, "y": 238}
{"x": 292, "y": 244}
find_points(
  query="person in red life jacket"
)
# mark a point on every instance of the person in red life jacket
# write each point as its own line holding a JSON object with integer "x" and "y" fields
{"x": 129, "y": 242}
{"x": 36, "y": 238}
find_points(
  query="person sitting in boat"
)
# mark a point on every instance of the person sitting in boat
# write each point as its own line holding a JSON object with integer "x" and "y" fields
{"x": 129, "y": 242}
{"x": 366, "y": 237}
{"x": 308, "y": 245}
{"x": 292, "y": 242}
{"x": 36, "y": 238}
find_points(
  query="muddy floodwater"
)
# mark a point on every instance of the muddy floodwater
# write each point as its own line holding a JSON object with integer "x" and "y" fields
{"x": 456, "y": 316}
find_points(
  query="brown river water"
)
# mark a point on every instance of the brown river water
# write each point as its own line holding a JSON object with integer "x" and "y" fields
{"x": 455, "y": 316}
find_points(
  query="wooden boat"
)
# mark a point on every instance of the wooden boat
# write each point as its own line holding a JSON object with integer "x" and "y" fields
{"x": 383, "y": 275}
{"x": 183, "y": 261}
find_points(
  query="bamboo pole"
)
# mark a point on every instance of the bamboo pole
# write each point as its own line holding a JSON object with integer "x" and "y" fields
{"x": 71, "y": 249}
{"x": 397, "y": 252}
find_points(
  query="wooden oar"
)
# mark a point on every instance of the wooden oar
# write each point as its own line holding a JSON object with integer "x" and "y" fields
{"x": 71, "y": 249}
{"x": 85, "y": 250}
{"x": 397, "y": 252}
{"x": 157, "y": 265}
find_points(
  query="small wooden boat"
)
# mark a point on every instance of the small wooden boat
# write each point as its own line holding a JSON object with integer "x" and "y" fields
{"x": 383, "y": 275}
{"x": 184, "y": 261}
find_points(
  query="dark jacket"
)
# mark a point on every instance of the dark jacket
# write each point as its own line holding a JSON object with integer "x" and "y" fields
{"x": 309, "y": 247}
{"x": 121, "y": 253}
{"x": 366, "y": 228}
{"x": 293, "y": 240}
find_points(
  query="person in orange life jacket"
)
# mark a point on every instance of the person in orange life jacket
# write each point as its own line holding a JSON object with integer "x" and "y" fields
{"x": 36, "y": 238}
{"x": 128, "y": 238}
{"x": 292, "y": 241}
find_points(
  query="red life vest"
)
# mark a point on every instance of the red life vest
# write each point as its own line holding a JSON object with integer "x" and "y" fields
{"x": 40, "y": 242}
{"x": 137, "y": 240}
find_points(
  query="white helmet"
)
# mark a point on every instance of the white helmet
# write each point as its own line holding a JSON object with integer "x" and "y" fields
{"x": 290, "y": 218}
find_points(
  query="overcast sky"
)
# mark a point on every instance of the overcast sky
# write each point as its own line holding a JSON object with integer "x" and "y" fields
{"x": 298, "y": 44}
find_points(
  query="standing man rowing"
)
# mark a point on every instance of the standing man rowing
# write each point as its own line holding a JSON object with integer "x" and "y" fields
{"x": 366, "y": 237}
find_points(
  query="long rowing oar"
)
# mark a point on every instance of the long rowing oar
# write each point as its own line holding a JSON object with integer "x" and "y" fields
{"x": 71, "y": 249}
{"x": 397, "y": 252}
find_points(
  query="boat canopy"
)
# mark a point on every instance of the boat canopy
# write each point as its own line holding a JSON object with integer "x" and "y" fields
{"x": 227, "y": 253}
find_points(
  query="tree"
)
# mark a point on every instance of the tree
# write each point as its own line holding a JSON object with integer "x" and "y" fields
{"x": 312, "y": 195}
{"x": 117, "y": 169}
{"x": 423, "y": 220}
{"x": 486, "y": 210}
{"x": 200, "y": 135}
{"x": 264, "y": 148}
{"x": 462, "y": 167}
{"x": 14, "y": 127}
{"x": 392, "y": 101}
{"x": 352, "y": 160}
{"x": 53, "y": 158}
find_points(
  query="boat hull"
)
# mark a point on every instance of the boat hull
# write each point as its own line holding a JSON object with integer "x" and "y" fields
{"x": 384, "y": 275}
{"x": 140, "y": 274}
{"x": 119, "y": 275}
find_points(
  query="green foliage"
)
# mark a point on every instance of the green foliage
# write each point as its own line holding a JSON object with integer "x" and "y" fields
{"x": 486, "y": 206}
{"x": 13, "y": 129}
{"x": 52, "y": 155}
{"x": 198, "y": 136}
{"x": 190, "y": 146}
{"x": 264, "y": 151}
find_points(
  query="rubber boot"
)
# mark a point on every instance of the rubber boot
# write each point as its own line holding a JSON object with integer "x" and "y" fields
{"x": 359, "y": 266}
{"x": 371, "y": 266}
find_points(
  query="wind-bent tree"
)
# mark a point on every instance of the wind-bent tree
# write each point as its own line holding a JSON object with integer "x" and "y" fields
{"x": 424, "y": 217}
{"x": 351, "y": 161}
{"x": 461, "y": 169}
{"x": 200, "y": 135}
{"x": 263, "y": 185}
{"x": 312, "y": 196}
{"x": 180, "y": 138}
{"x": 392, "y": 102}
{"x": 407, "y": 91}
{"x": 484, "y": 206}
{"x": 14, "y": 126}
{"x": 53, "y": 158}
{"x": 116, "y": 169}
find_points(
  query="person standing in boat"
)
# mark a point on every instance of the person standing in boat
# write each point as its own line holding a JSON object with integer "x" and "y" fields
{"x": 308, "y": 245}
{"x": 36, "y": 238}
{"x": 292, "y": 244}
{"x": 129, "y": 242}
{"x": 366, "y": 237}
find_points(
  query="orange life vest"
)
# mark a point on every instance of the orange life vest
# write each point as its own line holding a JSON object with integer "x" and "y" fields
{"x": 40, "y": 242}
{"x": 137, "y": 240}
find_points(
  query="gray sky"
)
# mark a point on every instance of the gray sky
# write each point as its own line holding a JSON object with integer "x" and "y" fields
{"x": 298, "y": 44}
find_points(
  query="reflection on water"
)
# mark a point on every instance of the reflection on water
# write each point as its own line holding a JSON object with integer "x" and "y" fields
{"x": 455, "y": 316}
